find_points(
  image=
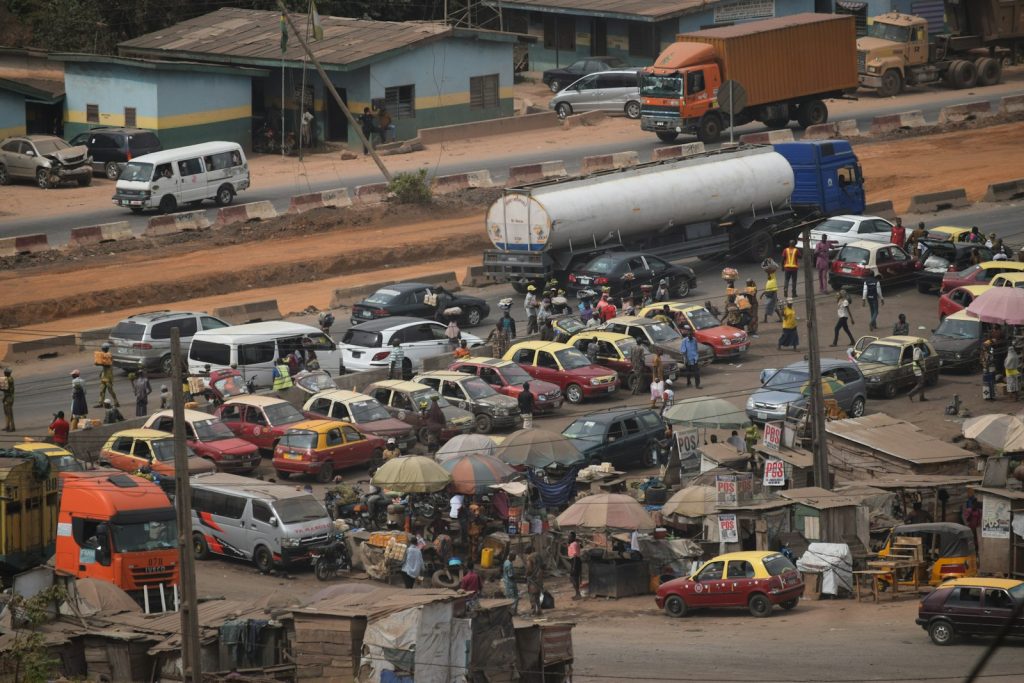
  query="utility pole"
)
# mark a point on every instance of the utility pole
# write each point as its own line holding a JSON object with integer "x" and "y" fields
{"x": 816, "y": 404}
{"x": 334, "y": 93}
{"x": 190, "y": 663}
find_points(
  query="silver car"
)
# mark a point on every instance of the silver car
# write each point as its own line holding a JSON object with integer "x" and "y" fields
{"x": 605, "y": 91}
{"x": 144, "y": 340}
{"x": 46, "y": 159}
{"x": 842, "y": 230}
{"x": 784, "y": 389}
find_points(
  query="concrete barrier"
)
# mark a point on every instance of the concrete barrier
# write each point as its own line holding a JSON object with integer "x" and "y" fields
{"x": 92, "y": 338}
{"x": 531, "y": 173}
{"x": 334, "y": 199}
{"x": 96, "y": 234}
{"x": 461, "y": 181}
{"x": 24, "y": 244}
{"x": 587, "y": 118}
{"x": 243, "y": 213}
{"x": 958, "y": 113}
{"x": 767, "y": 137}
{"x": 475, "y": 277}
{"x": 249, "y": 312}
{"x": 890, "y": 122}
{"x": 847, "y": 128}
{"x": 688, "y": 149}
{"x": 43, "y": 347}
{"x": 609, "y": 162}
{"x": 1011, "y": 104}
{"x": 186, "y": 221}
{"x": 372, "y": 194}
{"x": 1005, "y": 191}
{"x": 476, "y": 129}
{"x": 344, "y": 296}
{"x": 938, "y": 201}
{"x": 822, "y": 131}
{"x": 883, "y": 209}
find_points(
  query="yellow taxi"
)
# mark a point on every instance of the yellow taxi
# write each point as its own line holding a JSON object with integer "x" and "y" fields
{"x": 1009, "y": 279}
{"x": 948, "y": 233}
{"x": 60, "y": 459}
{"x": 131, "y": 450}
{"x": 726, "y": 341}
{"x": 614, "y": 350}
{"x": 321, "y": 447}
{"x": 566, "y": 367}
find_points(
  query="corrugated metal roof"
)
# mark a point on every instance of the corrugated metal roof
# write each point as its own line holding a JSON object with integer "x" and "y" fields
{"x": 920, "y": 481}
{"x": 766, "y": 25}
{"x": 897, "y": 438}
{"x": 819, "y": 498}
{"x": 723, "y": 453}
{"x": 763, "y": 505}
{"x": 240, "y": 36}
{"x": 650, "y": 10}
{"x": 797, "y": 457}
{"x": 376, "y": 603}
{"x": 1002, "y": 493}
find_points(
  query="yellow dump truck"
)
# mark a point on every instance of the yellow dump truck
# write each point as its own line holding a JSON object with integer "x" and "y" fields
{"x": 29, "y": 502}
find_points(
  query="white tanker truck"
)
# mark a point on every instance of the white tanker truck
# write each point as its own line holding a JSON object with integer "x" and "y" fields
{"x": 746, "y": 201}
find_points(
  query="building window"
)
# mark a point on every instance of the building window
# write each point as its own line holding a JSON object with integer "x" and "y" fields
{"x": 744, "y": 11}
{"x": 129, "y": 117}
{"x": 559, "y": 32}
{"x": 641, "y": 39}
{"x": 401, "y": 101}
{"x": 483, "y": 92}
{"x": 92, "y": 113}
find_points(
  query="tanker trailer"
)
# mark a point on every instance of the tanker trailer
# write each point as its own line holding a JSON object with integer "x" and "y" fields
{"x": 747, "y": 201}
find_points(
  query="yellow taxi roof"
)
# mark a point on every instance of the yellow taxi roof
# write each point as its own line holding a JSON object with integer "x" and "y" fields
{"x": 900, "y": 339}
{"x": 537, "y": 345}
{"x": 632, "y": 320}
{"x": 319, "y": 426}
{"x": 1009, "y": 265}
{"x": 982, "y": 582}
{"x": 400, "y": 385}
{"x": 341, "y": 395}
{"x": 949, "y": 230}
{"x": 600, "y": 334}
{"x": 142, "y": 434}
{"x": 256, "y": 400}
{"x": 1011, "y": 277}
{"x": 453, "y": 375}
{"x": 41, "y": 446}
{"x": 746, "y": 555}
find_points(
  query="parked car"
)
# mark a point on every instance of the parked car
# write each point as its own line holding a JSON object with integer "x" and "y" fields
{"x": 131, "y": 450}
{"x": 563, "y": 365}
{"x": 1008, "y": 280}
{"x": 789, "y": 387}
{"x": 971, "y": 606}
{"x": 957, "y": 339}
{"x": 655, "y": 334}
{"x": 939, "y": 258}
{"x": 210, "y": 438}
{"x": 46, "y": 159}
{"x": 757, "y": 580}
{"x": 566, "y": 325}
{"x": 890, "y": 263}
{"x": 144, "y": 339}
{"x": 491, "y": 410}
{"x": 260, "y": 420}
{"x": 409, "y": 299}
{"x": 367, "y": 345}
{"x": 624, "y": 436}
{"x": 364, "y": 411}
{"x": 508, "y": 378}
{"x": 408, "y": 402}
{"x": 556, "y": 79}
{"x": 613, "y": 351}
{"x": 615, "y": 91}
{"x": 725, "y": 340}
{"x": 980, "y": 274}
{"x": 623, "y": 272}
{"x": 111, "y": 147}
{"x": 323, "y": 447}
{"x": 888, "y": 363}
{"x": 60, "y": 459}
{"x": 948, "y": 233}
{"x": 960, "y": 298}
{"x": 842, "y": 230}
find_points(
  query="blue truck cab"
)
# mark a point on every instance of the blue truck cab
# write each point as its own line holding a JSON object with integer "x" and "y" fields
{"x": 827, "y": 176}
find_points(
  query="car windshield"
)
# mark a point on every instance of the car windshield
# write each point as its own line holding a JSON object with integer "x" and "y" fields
{"x": 477, "y": 388}
{"x": 368, "y": 410}
{"x": 212, "y": 430}
{"x": 896, "y": 34}
{"x": 584, "y": 429}
{"x": 855, "y": 255}
{"x": 787, "y": 380}
{"x": 570, "y": 326}
{"x": 701, "y": 319}
{"x": 881, "y": 353}
{"x": 50, "y": 146}
{"x": 515, "y": 375}
{"x": 571, "y": 359}
{"x": 959, "y": 329}
{"x": 1017, "y": 592}
{"x": 137, "y": 172}
{"x": 304, "y": 439}
{"x": 163, "y": 449}
{"x": 282, "y": 413}
{"x": 156, "y": 535}
{"x": 661, "y": 86}
{"x": 626, "y": 346}
{"x": 422, "y": 398}
{"x": 298, "y": 509}
{"x": 834, "y": 225}
{"x": 778, "y": 564}
{"x": 357, "y": 337}
{"x": 382, "y": 297}
{"x": 602, "y": 264}
{"x": 660, "y": 332}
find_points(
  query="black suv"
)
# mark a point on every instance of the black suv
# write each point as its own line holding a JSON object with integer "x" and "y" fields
{"x": 621, "y": 436}
{"x": 625, "y": 271}
{"x": 112, "y": 147}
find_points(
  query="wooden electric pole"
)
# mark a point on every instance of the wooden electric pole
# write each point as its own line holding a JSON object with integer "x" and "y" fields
{"x": 190, "y": 660}
{"x": 816, "y": 402}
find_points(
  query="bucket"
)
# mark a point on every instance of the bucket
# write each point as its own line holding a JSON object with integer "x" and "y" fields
{"x": 487, "y": 558}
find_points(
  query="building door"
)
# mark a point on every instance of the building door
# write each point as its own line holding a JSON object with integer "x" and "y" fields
{"x": 859, "y": 10}
{"x": 598, "y": 37}
{"x": 337, "y": 124}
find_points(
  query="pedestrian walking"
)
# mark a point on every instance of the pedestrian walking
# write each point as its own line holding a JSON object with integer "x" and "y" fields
{"x": 592, "y": 350}
{"x": 306, "y": 129}
{"x": 525, "y": 400}
{"x": 471, "y": 584}
{"x": 79, "y": 404}
{"x": 368, "y": 126}
{"x": 396, "y": 360}
{"x": 751, "y": 294}
{"x": 142, "y": 389}
{"x": 385, "y": 128}
{"x": 899, "y": 234}
{"x": 821, "y": 263}
{"x": 547, "y": 331}
{"x": 508, "y": 581}
{"x": 914, "y": 245}
{"x": 845, "y": 317}
{"x": 1011, "y": 367}
{"x": 790, "y": 266}
{"x": 919, "y": 374}
{"x": 575, "y": 565}
{"x": 871, "y": 296}
{"x": 105, "y": 361}
{"x": 532, "y": 306}
{"x": 668, "y": 396}
{"x": 790, "y": 335}
{"x": 412, "y": 566}
{"x": 59, "y": 429}
{"x": 637, "y": 365}
{"x": 690, "y": 350}
{"x": 661, "y": 294}
{"x": 435, "y": 424}
{"x": 771, "y": 297}
{"x": 453, "y": 333}
{"x": 535, "y": 582}
{"x": 165, "y": 397}
{"x": 7, "y": 386}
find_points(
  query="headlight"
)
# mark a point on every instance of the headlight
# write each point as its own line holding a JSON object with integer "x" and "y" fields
{"x": 750, "y": 402}
{"x": 872, "y": 69}
{"x": 959, "y": 356}
{"x": 290, "y": 542}
{"x": 501, "y": 412}
{"x": 595, "y": 381}
{"x": 542, "y": 397}
{"x": 874, "y": 380}
{"x": 725, "y": 341}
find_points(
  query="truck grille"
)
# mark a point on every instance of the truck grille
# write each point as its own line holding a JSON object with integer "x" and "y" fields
{"x": 153, "y": 575}
{"x": 313, "y": 540}
{"x": 861, "y": 59}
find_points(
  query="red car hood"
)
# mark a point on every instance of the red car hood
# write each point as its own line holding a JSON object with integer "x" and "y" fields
{"x": 234, "y": 446}
{"x": 388, "y": 427}
{"x": 713, "y": 335}
{"x": 537, "y": 387}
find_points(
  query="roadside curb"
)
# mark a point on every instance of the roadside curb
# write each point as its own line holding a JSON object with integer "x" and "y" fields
{"x": 1005, "y": 191}
{"x": 243, "y": 213}
{"x": 91, "y": 235}
{"x": 609, "y": 162}
{"x": 531, "y": 173}
{"x": 170, "y": 224}
{"x": 371, "y": 194}
{"x": 958, "y": 113}
{"x": 461, "y": 181}
{"x": 332, "y": 199}
{"x": 43, "y": 347}
{"x": 891, "y": 122}
{"x": 24, "y": 244}
{"x": 249, "y": 312}
{"x": 688, "y": 149}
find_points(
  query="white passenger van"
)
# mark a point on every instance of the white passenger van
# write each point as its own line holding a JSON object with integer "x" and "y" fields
{"x": 254, "y": 347}
{"x": 248, "y": 519}
{"x": 183, "y": 176}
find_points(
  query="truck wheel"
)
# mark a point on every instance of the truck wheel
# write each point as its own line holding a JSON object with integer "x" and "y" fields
{"x": 199, "y": 547}
{"x": 990, "y": 71}
{"x": 776, "y": 124}
{"x": 668, "y": 136}
{"x": 812, "y": 113}
{"x": 892, "y": 83}
{"x": 710, "y": 129}
{"x": 85, "y": 181}
{"x": 761, "y": 246}
{"x": 965, "y": 75}
{"x": 168, "y": 204}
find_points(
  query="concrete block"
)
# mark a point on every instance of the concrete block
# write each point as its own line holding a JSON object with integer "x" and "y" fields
{"x": 824, "y": 131}
{"x": 847, "y": 128}
{"x": 461, "y": 181}
{"x": 170, "y": 224}
{"x": 587, "y": 118}
{"x": 1011, "y": 104}
{"x": 755, "y": 138}
{"x": 1005, "y": 191}
{"x": 249, "y": 312}
{"x": 531, "y": 173}
{"x": 475, "y": 277}
{"x": 938, "y": 201}
{"x": 93, "y": 337}
{"x": 882, "y": 208}
{"x": 890, "y": 122}
{"x": 336, "y": 199}
{"x": 372, "y": 194}
{"x": 85, "y": 236}
{"x": 609, "y": 162}
{"x": 243, "y": 213}
{"x": 344, "y": 296}
{"x": 959, "y": 113}
{"x": 475, "y": 129}
{"x": 688, "y": 149}
{"x": 43, "y": 347}
{"x": 24, "y": 244}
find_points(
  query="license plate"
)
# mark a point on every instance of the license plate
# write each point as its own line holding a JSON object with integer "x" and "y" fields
{"x": 762, "y": 416}
{"x": 611, "y": 388}
{"x": 292, "y": 456}
{"x": 357, "y": 354}
{"x": 364, "y": 314}
{"x": 122, "y": 349}
{"x": 847, "y": 270}
{"x": 584, "y": 280}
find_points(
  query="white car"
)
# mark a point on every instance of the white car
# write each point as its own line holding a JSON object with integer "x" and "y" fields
{"x": 841, "y": 230}
{"x": 368, "y": 345}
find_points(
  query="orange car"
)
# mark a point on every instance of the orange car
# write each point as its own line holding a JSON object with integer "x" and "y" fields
{"x": 320, "y": 447}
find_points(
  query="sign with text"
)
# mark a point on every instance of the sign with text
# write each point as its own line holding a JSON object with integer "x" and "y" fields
{"x": 688, "y": 441}
{"x": 774, "y": 472}
{"x": 744, "y": 487}
{"x": 772, "y": 435}
{"x": 728, "y": 530}
{"x": 725, "y": 484}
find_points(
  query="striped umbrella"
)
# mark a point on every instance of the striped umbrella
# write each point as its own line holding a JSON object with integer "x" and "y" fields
{"x": 474, "y": 474}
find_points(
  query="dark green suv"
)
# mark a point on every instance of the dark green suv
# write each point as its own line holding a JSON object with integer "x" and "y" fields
{"x": 112, "y": 148}
{"x": 621, "y": 436}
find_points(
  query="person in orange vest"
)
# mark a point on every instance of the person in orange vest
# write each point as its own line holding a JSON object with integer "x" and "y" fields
{"x": 791, "y": 266}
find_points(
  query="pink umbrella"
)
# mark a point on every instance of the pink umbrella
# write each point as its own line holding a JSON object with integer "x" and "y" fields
{"x": 999, "y": 305}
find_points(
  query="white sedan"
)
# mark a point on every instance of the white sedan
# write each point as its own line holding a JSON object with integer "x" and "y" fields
{"x": 841, "y": 230}
{"x": 367, "y": 346}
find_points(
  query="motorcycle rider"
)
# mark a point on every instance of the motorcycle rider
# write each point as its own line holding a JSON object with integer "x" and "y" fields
{"x": 392, "y": 450}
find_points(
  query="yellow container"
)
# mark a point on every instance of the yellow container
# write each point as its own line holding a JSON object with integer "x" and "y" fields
{"x": 487, "y": 558}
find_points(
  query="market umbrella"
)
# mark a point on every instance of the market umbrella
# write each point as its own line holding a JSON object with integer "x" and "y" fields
{"x": 999, "y": 305}
{"x": 606, "y": 511}
{"x": 712, "y": 413}
{"x": 465, "y": 444}
{"x": 998, "y": 432}
{"x": 411, "y": 474}
{"x": 693, "y": 501}
{"x": 829, "y": 387}
{"x": 475, "y": 474}
{"x": 538, "y": 448}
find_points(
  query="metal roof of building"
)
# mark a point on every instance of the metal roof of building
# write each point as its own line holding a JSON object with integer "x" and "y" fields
{"x": 896, "y": 438}
{"x": 638, "y": 10}
{"x": 819, "y": 498}
{"x": 39, "y": 89}
{"x": 240, "y": 36}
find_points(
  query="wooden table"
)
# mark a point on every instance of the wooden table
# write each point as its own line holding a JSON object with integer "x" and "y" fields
{"x": 877, "y": 569}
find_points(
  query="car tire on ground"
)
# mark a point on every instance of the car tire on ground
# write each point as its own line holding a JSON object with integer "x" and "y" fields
{"x": 632, "y": 110}
{"x": 168, "y": 204}
{"x": 263, "y": 559}
{"x": 484, "y": 423}
{"x": 857, "y": 407}
{"x": 633, "y": 380}
{"x": 789, "y": 604}
{"x": 282, "y": 475}
{"x": 212, "y": 462}
{"x": 923, "y": 287}
{"x": 200, "y": 549}
{"x": 423, "y": 435}
{"x": 941, "y": 632}
{"x": 167, "y": 365}
{"x": 675, "y": 607}
{"x": 443, "y": 578}
{"x": 574, "y": 393}
{"x": 683, "y": 288}
{"x": 932, "y": 379}
{"x": 225, "y": 195}
{"x": 889, "y": 390}
{"x": 85, "y": 181}
{"x": 668, "y": 136}
{"x": 5, "y": 179}
{"x": 760, "y": 605}
{"x": 43, "y": 178}
{"x": 473, "y": 316}
{"x": 135, "y": 209}
{"x": 325, "y": 473}
{"x": 111, "y": 170}
{"x": 563, "y": 109}
{"x": 555, "y": 85}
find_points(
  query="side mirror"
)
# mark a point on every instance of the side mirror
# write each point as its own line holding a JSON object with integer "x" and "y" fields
{"x": 103, "y": 556}
{"x": 852, "y": 352}
{"x": 766, "y": 374}
{"x": 30, "y": 153}
{"x": 273, "y": 521}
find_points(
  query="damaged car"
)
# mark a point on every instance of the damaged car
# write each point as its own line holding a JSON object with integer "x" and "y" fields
{"x": 46, "y": 159}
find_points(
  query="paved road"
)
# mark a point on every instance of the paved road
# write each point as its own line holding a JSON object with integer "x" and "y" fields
{"x": 928, "y": 101}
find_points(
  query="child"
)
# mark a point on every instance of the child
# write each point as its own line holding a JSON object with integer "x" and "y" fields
{"x": 165, "y": 397}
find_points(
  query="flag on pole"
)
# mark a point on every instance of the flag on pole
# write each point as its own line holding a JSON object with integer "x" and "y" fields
{"x": 284, "y": 34}
{"x": 318, "y": 27}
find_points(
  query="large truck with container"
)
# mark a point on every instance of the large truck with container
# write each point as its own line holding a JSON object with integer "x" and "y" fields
{"x": 746, "y": 201}
{"x": 898, "y": 49}
{"x": 28, "y": 512}
{"x": 785, "y": 69}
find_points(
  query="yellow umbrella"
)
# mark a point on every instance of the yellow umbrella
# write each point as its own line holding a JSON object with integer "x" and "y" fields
{"x": 693, "y": 501}
{"x": 411, "y": 474}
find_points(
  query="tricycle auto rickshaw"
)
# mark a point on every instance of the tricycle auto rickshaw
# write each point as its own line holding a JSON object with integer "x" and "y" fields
{"x": 947, "y": 551}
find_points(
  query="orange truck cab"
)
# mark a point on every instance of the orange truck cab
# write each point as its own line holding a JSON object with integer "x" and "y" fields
{"x": 122, "y": 529}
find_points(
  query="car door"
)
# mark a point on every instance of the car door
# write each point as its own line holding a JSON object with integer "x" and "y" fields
{"x": 192, "y": 181}
{"x": 657, "y": 267}
{"x": 525, "y": 359}
{"x": 231, "y": 415}
{"x": 494, "y": 378}
{"x": 963, "y": 607}
{"x": 141, "y": 456}
{"x": 358, "y": 449}
{"x": 996, "y": 609}
{"x": 739, "y": 577}
{"x": 708, "y": 586}
{"x": 583, "y": 94}
{"x": 257, "y": 526}
{"x": 604, "y": 91}
{"x": 852, "y": 385}
{"x": 119, "y": 452}
{"x": 20, "y": 158}
{"x": 549, "y": 370}
{"x": 456, "y": 395}
{"x": 884, "y": 264}
{"x": 334, "y": 446}
{"x": 905, "y": 371}
{"x": 423, "y": 340}
{"x": 256, "y": 425}
{"x": 902, "y": 265}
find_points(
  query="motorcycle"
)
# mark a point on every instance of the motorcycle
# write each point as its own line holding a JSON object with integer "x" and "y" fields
{"x": 369, "y": 510}
{"x": 332, "y": 558}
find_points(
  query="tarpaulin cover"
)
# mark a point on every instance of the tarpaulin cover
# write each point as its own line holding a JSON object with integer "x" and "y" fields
{"x": 389, "y": 644}
{"x": 954, "y": 540}
{"x": 833, "y": 561}
{"x": 555, "y": 494}
{"x": 433, "y": 644}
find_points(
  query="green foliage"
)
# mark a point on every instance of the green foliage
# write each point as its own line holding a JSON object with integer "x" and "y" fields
{"x": 29, "y": 652}
{"x": 410, "y": 188}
